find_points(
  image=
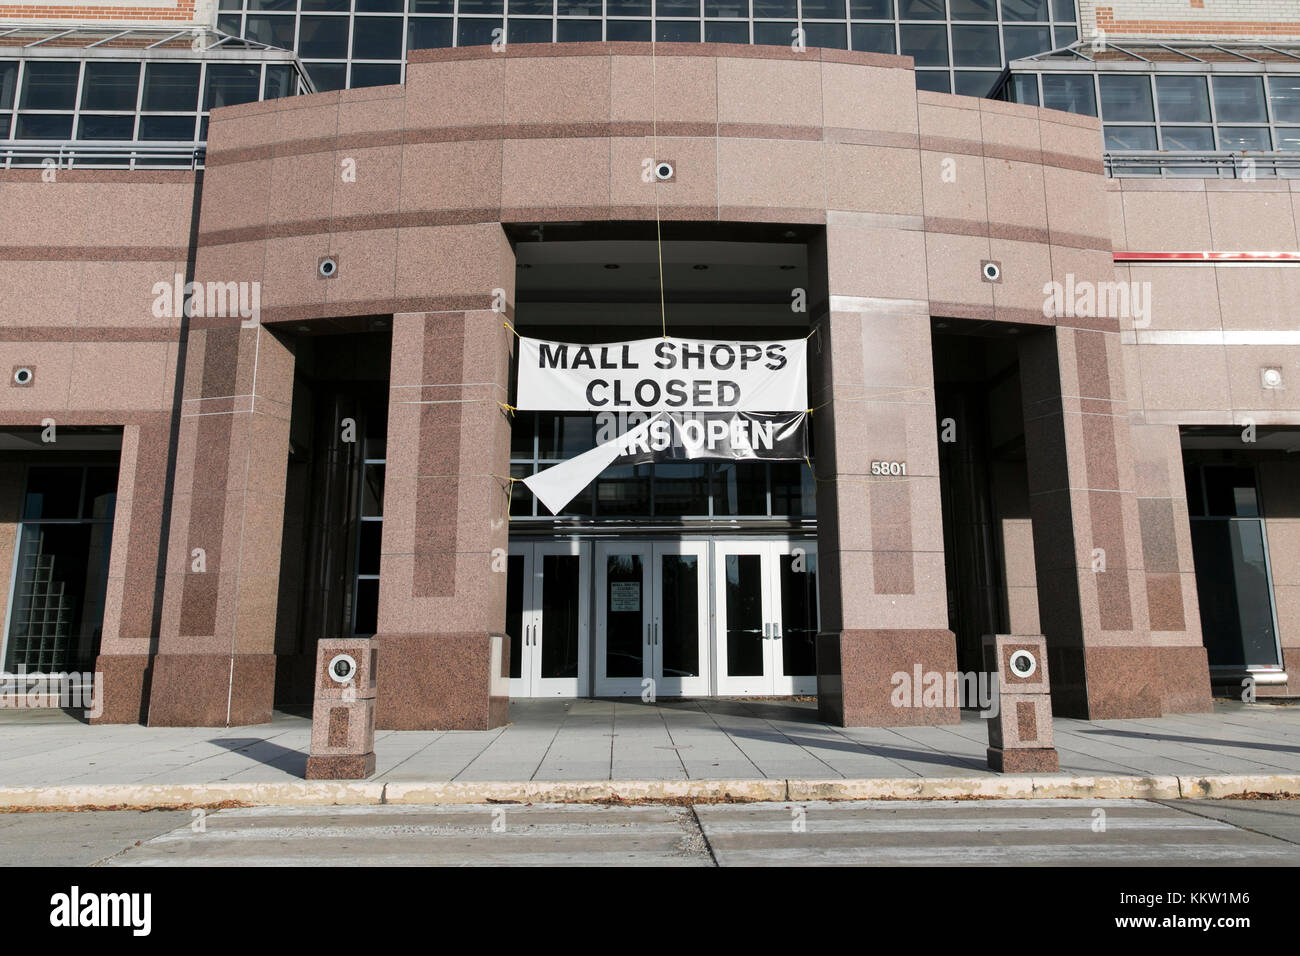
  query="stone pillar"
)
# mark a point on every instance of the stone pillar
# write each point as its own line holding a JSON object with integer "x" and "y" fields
{"x": 443, "y": 656}
{"x": 1092, "y": 589}
{"x": 216, "y": 651}
{"x": 131, "y": 601}
{"x": 880, "y": 538}
{"x": 1172, "y": 606}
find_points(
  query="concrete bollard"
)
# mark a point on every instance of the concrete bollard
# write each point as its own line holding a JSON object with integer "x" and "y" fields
{"x": 1020, "y": 736}
{"x": 343, "y": 714}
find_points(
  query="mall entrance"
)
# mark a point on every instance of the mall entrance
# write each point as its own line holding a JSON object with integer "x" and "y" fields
{"x": 682, "y": 616}
{"x": 671, "y": 579}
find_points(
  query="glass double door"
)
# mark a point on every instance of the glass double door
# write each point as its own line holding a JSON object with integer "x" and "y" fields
{"x": 765, "y": 593}
{"x": 652, "y": 632}
{"x": 547, "y": 594}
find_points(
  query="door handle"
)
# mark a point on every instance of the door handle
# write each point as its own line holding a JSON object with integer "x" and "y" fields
{"x": 656, "y": 630}
{"x": 776, "y": 630}
{"x": 766, "y": 628}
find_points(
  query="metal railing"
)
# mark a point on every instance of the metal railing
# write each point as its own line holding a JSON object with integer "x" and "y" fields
{"x": 1202, "y": 165}
{"x": 26, "y": 154}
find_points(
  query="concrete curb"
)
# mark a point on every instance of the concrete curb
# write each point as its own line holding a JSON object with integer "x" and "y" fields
{"x": 363, "y": 793}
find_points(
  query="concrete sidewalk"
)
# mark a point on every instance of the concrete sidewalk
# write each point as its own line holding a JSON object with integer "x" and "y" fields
{"x": 707, "y": 748}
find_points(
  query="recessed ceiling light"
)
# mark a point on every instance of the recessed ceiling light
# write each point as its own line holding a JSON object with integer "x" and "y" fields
{"x": 524, "y": 265}
{"x": 611, "y": 265}
{"x": 786, "y": 268}
{"x": 304, "y": 328}
{"x": 699, "y": 268}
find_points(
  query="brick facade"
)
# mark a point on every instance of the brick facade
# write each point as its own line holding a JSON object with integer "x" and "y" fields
{"x": 110, "y": 11}
{"x": 1190, "y": 19}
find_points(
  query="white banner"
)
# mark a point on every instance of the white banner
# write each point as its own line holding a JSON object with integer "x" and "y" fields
{"x": 664, "y": 374}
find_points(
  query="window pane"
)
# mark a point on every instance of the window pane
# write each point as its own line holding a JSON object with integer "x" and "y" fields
{"x": 279, "y": 81}
{"x": 1064, "y": 36}
{"x": 482, "y": 6}
{"x": 276, "y": 31}
{"x": 1064, "y": 10}
{"x": 973, "y": 9}
{"x": 1130, "y": 137}
{"x": 933, "y": 80}
{"x": 1070, "y": 92}
{"x": 171, "y": 86}
{"x": 678, "y": 31}
{"x": 726, "y": 8}
{"x": 920, "y": 9}
{"x": 1024, "y": 10}
{"x": 1024, "y": 89}
{"x": 1183, "y": 99}
{"x": 367, "y": 608}
{"x": 740, "y": 488}
{"x": 368, "y": 547}
{"x": 229, "y": 25}
{"x": 871, "y": 9}
{"x": 230, "y": 84}
{"x": 544, "y": 8}
{"x": 1283, "y": 94}
{"x": 376, "y": 74}
{"x": 774, "y": 34}
{"x": 564, "y": 436}
{"x": 477, "y": 32}
{"x": 1244, "y": 137}
{"x": 726, "y": 32}
{"x": 974, "y": 82}
{"x": 288, "y": 4}
{"x": 580, "y": 8}
{"x": 824, "y": 10}
{"x": 874, "y": 37}
{"x": 625, "y": 30}
{"x": 794, "y": 492}
{"x": 677, "y": 8}
{"x": 167, "y": 128}
{"x": 378, "y": 6}
{"x": 8, "y": 77}
{"x": 1288, "y": 139}
{"x": 49, "y": 86}
{"x": 323, "y": 37}
{"x": 110, "y": 86}
{"x": 829, "y": 36}
{"x": 975, "y": 46}
{"x": 528, "y": 31}
{"x": 1188, "y": 137}
{"x": 570, "y": 31}
{"x": 927, "y": 45}
{"x": 377, "y": 38}
{"x": 681, "y": 489}
{"x": 327, "y": 76}
{"x": 1239, "y": 99}
{"x": 106, "y": 127}
{"x": 44, "y": 126}
{"x": 775, "y": 8}
{"x": 1026, "y": 41}
{"x": 1126, "y": 99}
{"x": 624, "y": 490}
{"x": 428, "y": 34}
{"x": 430, "y": 6}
